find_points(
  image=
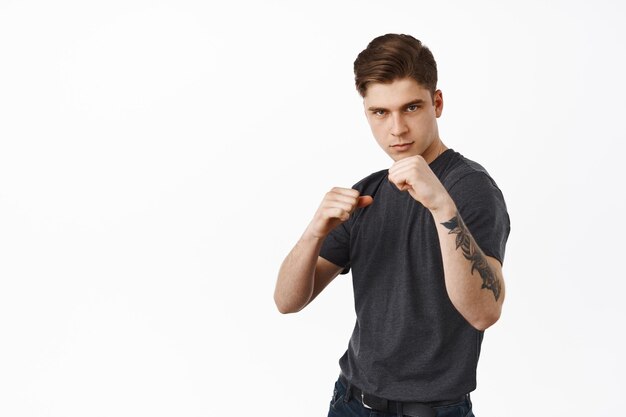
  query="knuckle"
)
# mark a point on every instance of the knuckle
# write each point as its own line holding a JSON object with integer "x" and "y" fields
{"x": 341, "y": 214}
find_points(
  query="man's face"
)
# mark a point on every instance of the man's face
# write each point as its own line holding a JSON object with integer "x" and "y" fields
{"x": 403, "y": 118}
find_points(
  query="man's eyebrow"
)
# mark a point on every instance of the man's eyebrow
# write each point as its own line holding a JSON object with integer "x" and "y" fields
{"x": 417, "y": 101}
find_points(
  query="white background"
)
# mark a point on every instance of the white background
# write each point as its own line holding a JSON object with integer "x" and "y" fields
{"x": 158, "y": 159}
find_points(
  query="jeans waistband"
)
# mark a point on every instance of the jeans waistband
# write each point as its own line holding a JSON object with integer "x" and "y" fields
{"x": 409, "y": 408}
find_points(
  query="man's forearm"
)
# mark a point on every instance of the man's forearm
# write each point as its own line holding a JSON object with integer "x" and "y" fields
{"x": 467, "y": 245}
{"x": 474, "y": 281}
{"x": 294, "y": 286}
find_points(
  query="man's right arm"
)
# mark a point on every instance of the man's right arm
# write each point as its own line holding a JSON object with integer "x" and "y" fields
{"x": 304, "y": 274}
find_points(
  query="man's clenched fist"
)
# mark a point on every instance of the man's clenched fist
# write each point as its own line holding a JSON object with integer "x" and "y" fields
{"x": 415, "y": 176}
{"x": 336, "y": 207}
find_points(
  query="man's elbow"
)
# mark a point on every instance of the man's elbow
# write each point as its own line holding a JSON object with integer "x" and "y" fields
{"x": 282, "y": 309}
{"x": 285, "y": 307}
{"x": 485, "y": 320}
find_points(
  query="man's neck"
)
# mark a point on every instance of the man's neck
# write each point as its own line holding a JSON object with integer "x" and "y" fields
{"x": 434, "y": 150}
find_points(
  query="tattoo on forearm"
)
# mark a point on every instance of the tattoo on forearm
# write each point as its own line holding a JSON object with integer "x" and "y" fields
{"x": 473, "y": 254}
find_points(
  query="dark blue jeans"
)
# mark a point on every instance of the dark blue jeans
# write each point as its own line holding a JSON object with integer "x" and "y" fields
{"x": 353, "y": 408}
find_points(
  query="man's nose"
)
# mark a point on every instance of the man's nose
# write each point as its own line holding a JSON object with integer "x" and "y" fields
{"x": 398, "y": 125}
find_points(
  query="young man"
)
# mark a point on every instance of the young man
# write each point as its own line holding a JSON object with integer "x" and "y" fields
{"x": 425, "y": 240}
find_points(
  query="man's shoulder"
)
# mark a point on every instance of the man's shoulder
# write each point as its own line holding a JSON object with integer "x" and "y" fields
{"x": 462, "y": 169}
{"x": 370, "y": 183}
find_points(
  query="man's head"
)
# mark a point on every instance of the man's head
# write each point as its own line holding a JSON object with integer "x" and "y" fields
{"x": 397, "y": 78}
{"x": 391, "y": 57}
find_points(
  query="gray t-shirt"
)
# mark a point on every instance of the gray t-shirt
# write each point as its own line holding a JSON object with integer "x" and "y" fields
{"x": 409, "y": 342}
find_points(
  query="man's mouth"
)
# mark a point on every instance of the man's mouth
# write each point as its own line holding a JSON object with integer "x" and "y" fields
{"x": 402, "y": 145}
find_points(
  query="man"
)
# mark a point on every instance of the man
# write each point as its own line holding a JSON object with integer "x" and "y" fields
{"x": 425, "y": 240}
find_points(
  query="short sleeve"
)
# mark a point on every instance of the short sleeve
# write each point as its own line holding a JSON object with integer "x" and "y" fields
{"x": 336, "y": 247}
{"x": 483, "y": 210}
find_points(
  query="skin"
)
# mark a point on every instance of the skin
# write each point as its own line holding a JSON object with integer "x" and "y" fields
{"x": 403, "y": 118}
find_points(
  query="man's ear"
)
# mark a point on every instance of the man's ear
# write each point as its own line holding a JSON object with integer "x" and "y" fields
{"x": 438, "y": 102}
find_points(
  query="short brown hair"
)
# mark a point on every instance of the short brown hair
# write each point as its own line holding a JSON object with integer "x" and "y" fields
{"x": 390, "y": 57}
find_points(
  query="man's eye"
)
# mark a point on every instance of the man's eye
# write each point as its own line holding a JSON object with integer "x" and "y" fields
{"x": 379, "y": 112}
{"x": 412, "y": 108}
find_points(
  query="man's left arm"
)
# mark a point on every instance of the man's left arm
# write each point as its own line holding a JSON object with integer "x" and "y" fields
{"x": 474, "y": 281}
